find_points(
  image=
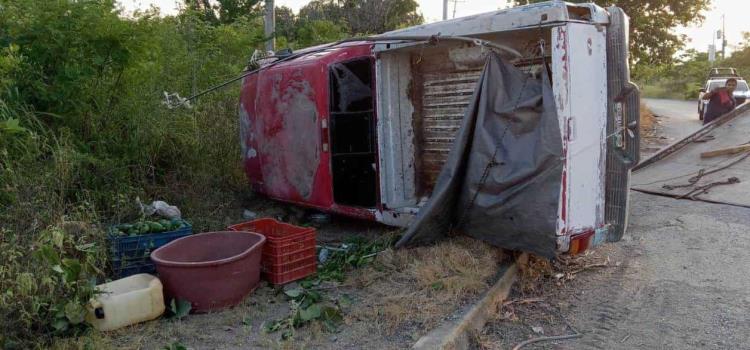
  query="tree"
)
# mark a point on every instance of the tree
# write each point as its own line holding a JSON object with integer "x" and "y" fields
{"x": 740, "y": 58}
{"x": 231, "y": 10}
{"x": 364, "y": 16}
{"x": 224, "y": 11}
{"x": 318, "y": 32}
{"x": 286, "y": 23}
{"x": 378, "y": 16}
{"x": 651, "y": 23}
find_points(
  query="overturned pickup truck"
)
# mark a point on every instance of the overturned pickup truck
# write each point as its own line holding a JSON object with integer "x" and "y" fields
{"x": 518, "y": 127}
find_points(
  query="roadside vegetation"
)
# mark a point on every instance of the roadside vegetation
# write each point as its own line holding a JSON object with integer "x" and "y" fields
{"x": 684, "y": 78}
{"x": 84, "y": 132}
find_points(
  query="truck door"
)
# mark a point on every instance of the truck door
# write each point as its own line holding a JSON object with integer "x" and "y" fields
{"x": 352, "y": 133}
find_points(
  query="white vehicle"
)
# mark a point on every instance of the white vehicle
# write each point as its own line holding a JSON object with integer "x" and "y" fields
{"x": 741, "y": 93}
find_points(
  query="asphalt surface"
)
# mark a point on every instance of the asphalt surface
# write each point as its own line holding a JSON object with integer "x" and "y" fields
{"x": 676, "y": 118}
{"x": 682, "y": 282}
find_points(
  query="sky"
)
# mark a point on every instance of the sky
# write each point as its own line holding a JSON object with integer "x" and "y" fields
{"x": 700, "y": 36}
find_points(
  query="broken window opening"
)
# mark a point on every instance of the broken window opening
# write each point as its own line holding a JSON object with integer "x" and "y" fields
{"x": 353, "y": 133}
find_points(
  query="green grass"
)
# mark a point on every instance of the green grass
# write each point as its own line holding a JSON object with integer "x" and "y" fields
{"x": 83, "y": 132}
{"x": 661, "y": 91}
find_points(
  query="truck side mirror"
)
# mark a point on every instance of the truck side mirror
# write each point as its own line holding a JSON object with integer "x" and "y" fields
{"x": 703, "y": 90}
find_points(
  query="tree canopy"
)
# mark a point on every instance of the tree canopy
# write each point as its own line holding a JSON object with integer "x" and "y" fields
{"x": 319, "y": 21}
{"x": 364, "y": 16}
{"x": 224, "y": 11}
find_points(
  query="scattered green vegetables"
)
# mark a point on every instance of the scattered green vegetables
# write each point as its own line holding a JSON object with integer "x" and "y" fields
{"x": 307, "y": 302}
{"x": 307, "y": 305}
{"x": 354, "y": 253}
{"x": 145, "y": 227}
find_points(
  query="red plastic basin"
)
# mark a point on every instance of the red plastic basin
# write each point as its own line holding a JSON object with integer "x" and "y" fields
{"x": 212, "y": 270}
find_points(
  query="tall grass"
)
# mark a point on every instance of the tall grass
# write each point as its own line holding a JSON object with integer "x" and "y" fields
{"x": 83, "y": 131}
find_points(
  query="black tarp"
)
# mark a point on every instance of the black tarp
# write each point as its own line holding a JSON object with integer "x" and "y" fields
{"x": 510, "y": 201}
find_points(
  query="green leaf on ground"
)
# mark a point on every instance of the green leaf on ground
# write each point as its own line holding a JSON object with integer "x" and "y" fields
{"x": 293, "y": 293}
{"x": 310, "y": 313}
{"x": 332, "y": 314}
{"x": 180, "y": 308}
{"x": 345, "y": 301}
{"x": 174, "y": 346}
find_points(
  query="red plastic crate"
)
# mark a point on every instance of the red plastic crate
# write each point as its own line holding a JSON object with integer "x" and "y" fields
{"x": 290, "y": 276}
{"x": 289, "y": 251}
{"x": 279, "y": 259}
{"x": 289, "y": 266}
{"x": 275, "y": 231}
{"x": 290, "y": 247}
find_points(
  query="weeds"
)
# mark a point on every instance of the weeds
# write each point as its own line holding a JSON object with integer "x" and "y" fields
{"x": 354, "y": 253}
{"x": 50, "y": 300}
{"x": 309, "y": 304}
{"x": 306, "y": 306}
{"x": 174, "y": 346}
{"x": 83, "y": 132}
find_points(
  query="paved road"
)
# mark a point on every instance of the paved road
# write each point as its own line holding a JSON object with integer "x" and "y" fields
{"x": 682, "y": 283}
{"x": 677, "y": 118}
{"x": 678, "y": 280}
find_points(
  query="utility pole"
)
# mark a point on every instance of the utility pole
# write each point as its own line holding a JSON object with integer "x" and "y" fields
{"x": 723, "y": 38}
{"x": 445, "y": 10}
{"x": 455, "y": 2}
{"x": 270, "y": 26}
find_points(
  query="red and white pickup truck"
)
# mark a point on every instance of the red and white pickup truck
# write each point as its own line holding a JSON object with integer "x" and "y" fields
{"x": 362, "y": 128}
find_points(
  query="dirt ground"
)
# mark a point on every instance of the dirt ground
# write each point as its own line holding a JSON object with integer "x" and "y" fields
{"x": 676, "y": 281}
{"x": 386, "y": 304}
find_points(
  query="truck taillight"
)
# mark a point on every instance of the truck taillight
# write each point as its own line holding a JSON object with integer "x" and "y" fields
{"x": 580, "y": 242}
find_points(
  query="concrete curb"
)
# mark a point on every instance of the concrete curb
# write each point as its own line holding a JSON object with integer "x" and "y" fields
{"x": 454, "y": 335}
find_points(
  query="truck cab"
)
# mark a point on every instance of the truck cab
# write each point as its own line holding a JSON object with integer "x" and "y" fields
{"x": 363, "y": 128}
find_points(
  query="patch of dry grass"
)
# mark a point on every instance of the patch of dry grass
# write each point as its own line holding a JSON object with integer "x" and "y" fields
{"x": 420, "y": 286}
{"x": 534, "y": 272}
{"x": 648, "y": 121}
{"x": 540, "y": 273}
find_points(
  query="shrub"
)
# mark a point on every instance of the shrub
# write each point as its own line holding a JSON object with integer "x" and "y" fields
{"x": 83, "y": 131}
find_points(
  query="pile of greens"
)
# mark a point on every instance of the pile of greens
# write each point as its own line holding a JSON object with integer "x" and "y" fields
{"x": 145, "y": 227}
